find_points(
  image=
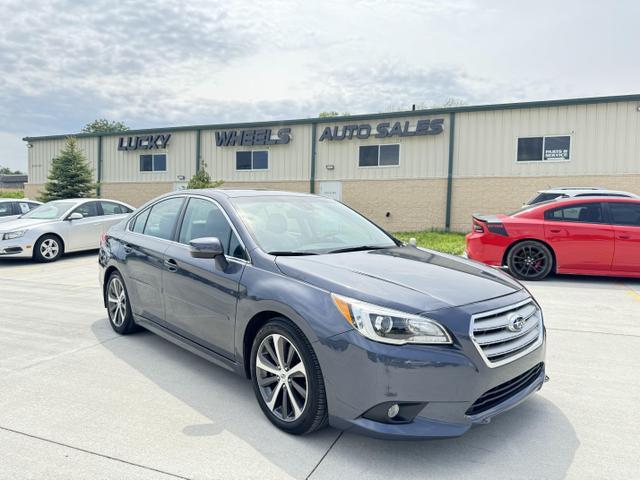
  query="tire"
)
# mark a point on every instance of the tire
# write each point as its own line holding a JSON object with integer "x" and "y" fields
{"x": 118, "y": 306}
{"x": 48, "y": 248}
{"x": 300, "y": 404}
{"x": 530, "y": 260}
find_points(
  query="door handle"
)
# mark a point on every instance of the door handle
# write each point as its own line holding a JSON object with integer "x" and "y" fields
{"x": 127, "y": 249}
{"x": 555, "y": 230}
{"x": 624, "y": 237}
{"x": 171, "y": 265}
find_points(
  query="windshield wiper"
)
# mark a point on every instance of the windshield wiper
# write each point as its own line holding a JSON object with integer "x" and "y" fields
{"x": 291, "y": 253}
{"x": 357, "y": 249}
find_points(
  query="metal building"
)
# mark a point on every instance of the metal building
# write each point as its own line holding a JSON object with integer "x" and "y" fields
{"x": 414, "y": 170}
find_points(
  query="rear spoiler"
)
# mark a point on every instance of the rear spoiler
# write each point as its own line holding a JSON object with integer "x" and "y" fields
{"x": 488, "y": 219}
{"x": 493, "y": 223}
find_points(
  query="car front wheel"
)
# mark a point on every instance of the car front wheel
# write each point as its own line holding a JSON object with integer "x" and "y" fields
{"x": 287, "y": 379}
{"x": 48, "y": 249}
{"x": 530, "y": 260}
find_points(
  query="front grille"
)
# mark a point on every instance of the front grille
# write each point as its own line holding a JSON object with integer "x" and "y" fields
{"x": 502, "y": 392}
{"x": 508, "y": 333}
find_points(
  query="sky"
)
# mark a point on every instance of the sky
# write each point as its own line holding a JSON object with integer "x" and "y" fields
{"x": 64, "y": 63}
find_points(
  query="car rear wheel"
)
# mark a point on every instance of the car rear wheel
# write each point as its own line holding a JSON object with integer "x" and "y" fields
{"x": 530, "y": 260}
{"x": 48, "y": 248}
{"x": 287, "y": 379}
{"x": 118, "y": 306}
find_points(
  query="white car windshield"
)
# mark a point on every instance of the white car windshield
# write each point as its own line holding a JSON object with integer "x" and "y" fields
{"x": 49, "y": 211}
{"x": 307, "y": 225}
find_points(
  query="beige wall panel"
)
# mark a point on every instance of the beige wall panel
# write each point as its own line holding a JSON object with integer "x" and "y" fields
{"x": 43, "y": 151}
{"x": 412, "y": 204}
{"x": 604, "y": 140}
{"x": 33, "y": 190}
{"x": 505, "y": 195}
{"x": 124, "y": 166}
{"x": 286, "y": 162}
{"x": 420, "y": 157}
{"x": 286, "y": 186}
{"x": 135, "y": 194}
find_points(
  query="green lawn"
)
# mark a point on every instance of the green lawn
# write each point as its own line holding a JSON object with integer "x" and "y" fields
{"x": 447, "y": 242}
{"x": 11, "y": 194}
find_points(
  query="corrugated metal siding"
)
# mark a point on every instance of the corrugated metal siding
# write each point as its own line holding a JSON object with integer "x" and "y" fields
{"x": 43, "y": 151}
{"x": 124, "y": 166}
{"x": 604, "y": 140}
{"x": 286, "y": 162}
{"x": 420, "y": 157}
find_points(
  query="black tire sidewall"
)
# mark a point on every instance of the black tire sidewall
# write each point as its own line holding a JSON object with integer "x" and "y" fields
{"x": 316, "y": 399}
{"x": 532, "y": 243}
{"x": 38, "y": 256}
{"x": 129, "y": 324}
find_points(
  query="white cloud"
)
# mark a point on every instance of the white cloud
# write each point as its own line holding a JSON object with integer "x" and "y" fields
{"x": 161, "y": 62}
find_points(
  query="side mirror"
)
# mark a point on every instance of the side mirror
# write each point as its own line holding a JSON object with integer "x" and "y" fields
{"x": 208, "y": 247}
{"x": 75, "y": 216}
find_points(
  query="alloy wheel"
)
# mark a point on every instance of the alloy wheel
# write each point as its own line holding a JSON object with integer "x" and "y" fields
{"x": 117, "y": 300}
{"x": 49, "y": 249}
{"x": 281, "y": 377}
{"x": 529, "y": 261}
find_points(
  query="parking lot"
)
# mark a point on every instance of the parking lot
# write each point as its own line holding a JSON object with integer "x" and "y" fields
{"x": 78, "y": 401}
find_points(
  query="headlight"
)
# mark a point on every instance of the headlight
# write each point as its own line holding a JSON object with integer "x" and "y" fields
{"x": 12, "y": 235}
{"x": 390, "y": 326}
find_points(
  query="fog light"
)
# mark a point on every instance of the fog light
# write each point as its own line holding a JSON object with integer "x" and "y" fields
{"x": 393, "y": 410}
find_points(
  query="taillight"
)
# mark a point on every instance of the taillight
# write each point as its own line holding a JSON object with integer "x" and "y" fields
{"x": 103, "y": 239}
{"x": 498, "y": 229}
{"x": 477, "y": 227}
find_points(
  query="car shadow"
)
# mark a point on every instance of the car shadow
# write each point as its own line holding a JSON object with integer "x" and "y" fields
{"x": 534, "y": 440}
{"x": 7, "y": 262}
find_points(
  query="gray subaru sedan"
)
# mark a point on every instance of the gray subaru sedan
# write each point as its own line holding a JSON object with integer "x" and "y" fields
{"x": 332, "y": 319}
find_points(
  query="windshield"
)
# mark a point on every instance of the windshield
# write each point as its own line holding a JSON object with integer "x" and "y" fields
{"x": 307, "y": 225}
{"x": 49, "y": 211}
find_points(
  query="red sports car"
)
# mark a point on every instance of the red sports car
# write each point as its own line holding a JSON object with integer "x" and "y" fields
{"x": 585, "y": 236}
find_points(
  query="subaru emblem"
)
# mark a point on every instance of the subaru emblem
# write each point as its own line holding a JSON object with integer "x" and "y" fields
{"x": 516, "y": 323}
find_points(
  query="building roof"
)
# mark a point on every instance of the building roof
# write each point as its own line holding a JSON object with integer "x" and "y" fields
{"x": 344, "y": 118}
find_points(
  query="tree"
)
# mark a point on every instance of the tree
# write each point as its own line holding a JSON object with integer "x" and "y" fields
{"x": 332, "y": 114}
{"x": 8, "y": 171}
{"x": 102, "y": 125}
{"x": 70, "y": 175}
{"x": 203, "y": 180}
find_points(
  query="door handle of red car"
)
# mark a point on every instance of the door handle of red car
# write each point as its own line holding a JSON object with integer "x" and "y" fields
{"x": 624, "y": 237}
{"x": 555, "y": 230}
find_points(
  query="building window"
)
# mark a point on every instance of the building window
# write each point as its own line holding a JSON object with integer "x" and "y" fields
{"x": 153, "y": 163}
{"x": 538, "y": 149}
{"x": 254, "y": 160}
{"x": 379, "y": 155}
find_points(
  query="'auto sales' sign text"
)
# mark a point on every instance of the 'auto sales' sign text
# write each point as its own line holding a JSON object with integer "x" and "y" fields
{"x": 384, "y": 130}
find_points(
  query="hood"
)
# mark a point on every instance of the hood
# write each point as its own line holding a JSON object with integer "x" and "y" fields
{"x": 22, "y": 223}
{"x": 402, "y": 277}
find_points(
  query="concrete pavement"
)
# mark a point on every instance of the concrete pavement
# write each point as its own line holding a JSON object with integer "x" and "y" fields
{"x": 78, "y": 401}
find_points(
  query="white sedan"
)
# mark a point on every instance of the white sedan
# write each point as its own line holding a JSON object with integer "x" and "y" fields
{"x": 59, "y": 227}
{"x": 12, "y": 208}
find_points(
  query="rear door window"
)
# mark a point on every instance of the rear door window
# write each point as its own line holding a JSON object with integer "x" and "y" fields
{"x": 89, "y": 209}
{"x": 6, "y": 209}
{"x": 163, "y": 217}
{"x": 112, "y": 208}
{"x": 581, "y": 213}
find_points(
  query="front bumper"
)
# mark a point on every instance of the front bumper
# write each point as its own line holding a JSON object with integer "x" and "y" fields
{"x": 361, "y": 374}
{"x": 16, "y": 248}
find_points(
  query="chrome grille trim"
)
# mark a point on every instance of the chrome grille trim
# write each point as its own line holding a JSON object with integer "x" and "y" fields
{"x": 496, "y": 344}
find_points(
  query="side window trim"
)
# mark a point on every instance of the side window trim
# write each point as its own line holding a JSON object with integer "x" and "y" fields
{"x": 227, "y": 218}
{"x": 134, "y": 219}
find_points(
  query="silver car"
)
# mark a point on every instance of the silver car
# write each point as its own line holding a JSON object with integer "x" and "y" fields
{"x": 571, "y": 192}
{"x": 12, "y": 208}
{"x": 59, "y": 227}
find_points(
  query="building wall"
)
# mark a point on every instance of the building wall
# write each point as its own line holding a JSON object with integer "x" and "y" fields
{"x": 424, "y": 156}
{"x": 40, "y": 155}
{"x": 288, "y": 162}
{"x": 605, "y": 140}
{"x": 135, "y": 193}
{"x": 124, "y": 166}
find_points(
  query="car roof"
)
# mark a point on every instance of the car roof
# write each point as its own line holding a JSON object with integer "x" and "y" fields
{"x": 234, "y": 193}
{"x": 18, "y": 200}
{"x": 585, "y": 190}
